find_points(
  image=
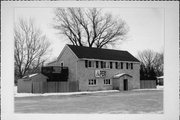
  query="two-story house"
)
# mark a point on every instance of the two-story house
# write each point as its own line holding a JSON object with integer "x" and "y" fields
{"x": 100, "y": 69}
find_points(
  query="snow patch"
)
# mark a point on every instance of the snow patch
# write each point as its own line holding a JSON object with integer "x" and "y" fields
{"x": 67, "y": 93}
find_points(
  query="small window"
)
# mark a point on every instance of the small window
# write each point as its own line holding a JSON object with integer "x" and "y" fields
{"x": 131, "y": 65}
{"x": 104, "y": 64}
{"x": 121, "y": 65}
{"x": 92, "y": 63}
{"x": 101, "y": 64}
{"x": 116, "y": 65}
{"x": 89, "y": 63}
{"x": 111, "y": 65}
{"x": 62, "y": 64}
{"x": 107, "y": 81}
{"x": 127, "y": 65}
{"x": 97, "y": 64}
{"x": 108, "y": 65}
{"x": 86, "y": 63}
{"x": 92, "y": 81}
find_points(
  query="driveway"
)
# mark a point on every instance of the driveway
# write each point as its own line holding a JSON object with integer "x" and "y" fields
{"x": 143, "y": 101}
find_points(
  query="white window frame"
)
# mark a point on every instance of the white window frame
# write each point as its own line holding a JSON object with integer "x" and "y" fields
{"x": 91, "y": 82}
{"x": 107, "y": 81}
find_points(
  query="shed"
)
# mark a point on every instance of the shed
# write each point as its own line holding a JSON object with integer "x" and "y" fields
{"x": 25, "y": 85}
{"x": 122, "y": 81}
{"x": 160, "y": 80}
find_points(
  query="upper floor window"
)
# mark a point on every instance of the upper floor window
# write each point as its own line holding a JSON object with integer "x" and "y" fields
{"x": 127, "y": 65}
{"x": 101, "y": 64}
{"x": 121, "y": 65}
{"x": 89, "y": 63}
{"x": 104, "y": 64}
{"x": 131, "y": 65}
{"x": 108, "y": 65}
{"x": 97, "y": 64}
{"x": 116, "y": 65}
{"x": 86, "y": 63}
{"x": 111, "y": 65}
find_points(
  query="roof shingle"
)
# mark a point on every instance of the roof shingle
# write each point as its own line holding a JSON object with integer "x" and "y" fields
{"x": 103, "y": 54}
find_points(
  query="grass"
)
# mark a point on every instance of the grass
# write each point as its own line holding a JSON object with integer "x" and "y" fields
{"x": 150, "y": 101}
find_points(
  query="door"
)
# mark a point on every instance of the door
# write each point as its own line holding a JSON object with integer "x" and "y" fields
{"x": 125, "y": 84}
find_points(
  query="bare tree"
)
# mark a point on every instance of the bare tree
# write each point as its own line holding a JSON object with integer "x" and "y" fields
{"x": 89, "y": 26}
{"x": 31, "y": 47}
{"x": 151, "y": 62}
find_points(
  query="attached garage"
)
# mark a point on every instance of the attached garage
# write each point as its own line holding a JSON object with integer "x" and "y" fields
{"x": 122, "y": 82}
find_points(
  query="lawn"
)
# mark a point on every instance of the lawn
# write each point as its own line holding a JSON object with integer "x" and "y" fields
{"x": 146, "y": 101}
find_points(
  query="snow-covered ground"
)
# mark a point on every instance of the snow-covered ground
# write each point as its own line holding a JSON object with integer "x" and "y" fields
{"x": 74, "y": 93}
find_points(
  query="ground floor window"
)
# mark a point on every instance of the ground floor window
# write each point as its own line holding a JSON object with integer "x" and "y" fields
{"x": 92, "y": 81}
{"x": 107, "y": 81}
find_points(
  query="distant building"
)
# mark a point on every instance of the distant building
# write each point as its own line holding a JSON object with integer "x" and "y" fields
{"x": 100, "y": 69}
{"x": 25, "y": 84}
{"x": 160, "y": 80}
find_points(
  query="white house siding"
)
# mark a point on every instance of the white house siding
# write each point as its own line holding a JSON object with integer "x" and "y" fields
{"x": 84, "y": 74}
{"x": 69, "y": 60}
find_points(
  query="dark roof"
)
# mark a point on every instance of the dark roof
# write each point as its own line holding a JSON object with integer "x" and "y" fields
{"x": 103, "y": 54}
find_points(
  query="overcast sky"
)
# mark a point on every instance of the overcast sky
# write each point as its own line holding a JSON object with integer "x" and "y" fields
{"x": 146, "y": 27}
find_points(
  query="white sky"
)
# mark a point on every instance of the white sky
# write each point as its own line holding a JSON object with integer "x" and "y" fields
{"x": 146, "y": 27}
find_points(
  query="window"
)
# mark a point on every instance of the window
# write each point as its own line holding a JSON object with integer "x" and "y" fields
{"x": 89, "y": 63}
{"x": 111, "y": 65}
{"x": 116, "y": 65}
{"x": 62, "y": 64}
{"x": 92, "y": 81}
{"x": 104, "y": 64}
{"x": 131, "y": 65}
{"x": 86, "y": 63}
{"x": 107, "y": 81}
{"x": 92, "y": 63}
{"x": 121, "y": 65}
{"x": 127, "y": 65}
{"x": 101, "y": 64}
{"x": 97, "y": 64}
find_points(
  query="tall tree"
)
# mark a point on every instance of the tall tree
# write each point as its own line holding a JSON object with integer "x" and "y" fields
{"x": 151, "y": 64}
{"x": 31, "y": 47}
{"x": 89, "y": 27}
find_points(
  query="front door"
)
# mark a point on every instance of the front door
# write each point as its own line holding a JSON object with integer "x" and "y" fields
{"x": 125, "y": 82}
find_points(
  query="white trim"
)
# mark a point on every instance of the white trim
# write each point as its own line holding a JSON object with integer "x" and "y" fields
{"x": 92, "y": 84}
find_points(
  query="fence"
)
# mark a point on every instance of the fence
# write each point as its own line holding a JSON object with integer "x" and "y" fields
{"x": 147, "y": 84}
{"x": 54, "y": 87}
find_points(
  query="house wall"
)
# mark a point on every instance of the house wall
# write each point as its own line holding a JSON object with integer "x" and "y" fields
{"x": 84, "y": 74}
{"x": 69, "y": 59}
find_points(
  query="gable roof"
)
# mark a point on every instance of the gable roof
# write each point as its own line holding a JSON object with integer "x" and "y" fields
{"x": 103, "y": 54}
{"x": 120, "y": 75}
